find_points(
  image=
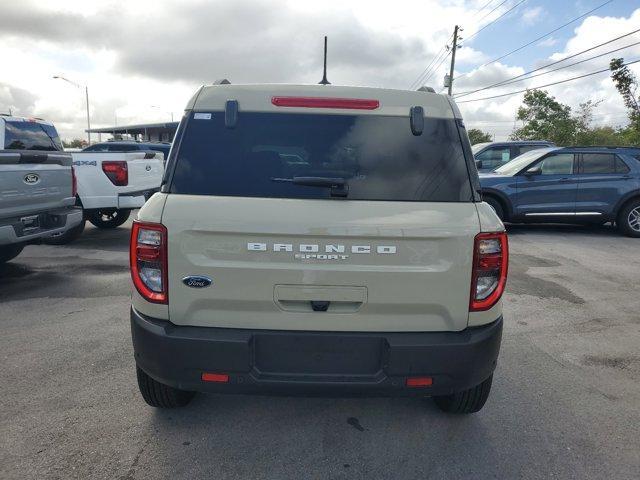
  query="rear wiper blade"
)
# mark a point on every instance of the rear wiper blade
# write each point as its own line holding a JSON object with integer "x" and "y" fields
{"x": 320, "y": 181}
{"x": 338, "y": 185}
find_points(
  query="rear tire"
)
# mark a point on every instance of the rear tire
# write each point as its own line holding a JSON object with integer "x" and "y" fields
{"x": 629, "y": 219}
{"x": 66, "y": 237}
{"x": 108, "y": 218}
{"x": 9, "y": 252}
{"x": 159, "y": 395}
{"x": 468, "y": 401}
{"x": 496, "y": 205}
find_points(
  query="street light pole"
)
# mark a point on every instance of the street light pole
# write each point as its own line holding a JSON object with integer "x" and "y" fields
{"x": 86, "y": 93}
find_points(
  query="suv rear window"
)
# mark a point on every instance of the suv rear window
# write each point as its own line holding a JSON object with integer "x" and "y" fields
{"x": 377, "y": 156}
{"x": 31, "y": 136}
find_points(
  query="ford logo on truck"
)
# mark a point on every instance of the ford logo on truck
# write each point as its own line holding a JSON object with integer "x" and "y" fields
{"x": 196, "y": 281}
{"x": 31, "y": 178}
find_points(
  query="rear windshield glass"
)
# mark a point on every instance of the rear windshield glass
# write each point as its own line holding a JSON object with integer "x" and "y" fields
{"x": 270, "y": 154}
{"x": 31, "y": 136}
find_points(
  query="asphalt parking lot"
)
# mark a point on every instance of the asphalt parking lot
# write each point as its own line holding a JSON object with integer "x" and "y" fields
{"x": 565, "y": 401}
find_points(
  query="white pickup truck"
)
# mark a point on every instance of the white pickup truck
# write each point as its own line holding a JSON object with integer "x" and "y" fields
{"x": 110, "y": 185}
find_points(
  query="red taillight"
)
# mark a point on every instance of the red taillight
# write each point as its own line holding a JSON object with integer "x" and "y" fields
{"x": 323, "y": 102}
{"x": 490, "y": 265}
{"x": 419, "y": 382}
{"x": 117, "y": 172}
{"x": 215, "y": 377}
{"x": 74, "y": 182}
{"x": 148, "y": 261}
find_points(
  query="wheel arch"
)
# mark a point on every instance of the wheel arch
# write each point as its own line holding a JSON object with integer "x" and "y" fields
{"x": 500, "y": 197}
{"x": 629, "y": 197}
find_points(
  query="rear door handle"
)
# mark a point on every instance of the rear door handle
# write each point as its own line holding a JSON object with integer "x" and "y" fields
{"x": 566, "y": 180}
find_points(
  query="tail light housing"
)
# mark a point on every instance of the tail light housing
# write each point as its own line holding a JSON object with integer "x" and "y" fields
{"x": 148, "y": 261}
{"x": 117, "y": 172}
{"x": 74, "y": 182}
{"x": 490, "y": 265}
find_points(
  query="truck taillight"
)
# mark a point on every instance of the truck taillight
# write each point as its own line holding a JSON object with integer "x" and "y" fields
{"x": 74, "y": 182}
{"x": 490, "y": 264}
{"x": 148, "y": 260}
{"x": 117, "y": 172}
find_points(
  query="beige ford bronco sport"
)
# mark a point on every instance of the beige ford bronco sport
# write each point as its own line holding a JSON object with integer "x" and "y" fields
{"x": 318, "y": 239}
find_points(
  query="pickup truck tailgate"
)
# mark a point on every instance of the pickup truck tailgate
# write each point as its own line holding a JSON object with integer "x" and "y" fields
{"x": 145, "y": 170}
{"x": 34, "y": 181}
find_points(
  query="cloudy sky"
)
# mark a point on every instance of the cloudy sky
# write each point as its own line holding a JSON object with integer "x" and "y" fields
{"x": 143, "y": 59}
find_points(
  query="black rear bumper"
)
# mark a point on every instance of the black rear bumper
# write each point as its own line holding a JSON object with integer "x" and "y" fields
{"x": 325, "y": 363}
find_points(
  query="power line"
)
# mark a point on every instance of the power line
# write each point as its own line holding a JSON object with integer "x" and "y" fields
{"x": 539, "y": 38}
{"x": 420, "y": 78}
{"x": 496, "y": 19}
{"x": 547, "y": 85}
{"x": 492, "y": 10}
{"x": 508, "y": 80}
{"x": 435, "y": 69}
{"x": 561, "y": 68}
{"x": 485, "y": 6}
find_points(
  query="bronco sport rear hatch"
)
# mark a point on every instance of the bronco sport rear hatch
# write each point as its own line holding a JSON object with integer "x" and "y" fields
{"x": 327, "y": 219}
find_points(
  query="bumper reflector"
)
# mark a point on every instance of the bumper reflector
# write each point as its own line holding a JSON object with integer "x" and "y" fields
{"x": 419, "y": 382}
{"x": 215, "y": 377}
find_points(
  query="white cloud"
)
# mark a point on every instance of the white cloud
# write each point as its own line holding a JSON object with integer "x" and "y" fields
{"x": 137, "y": 54}
{"x": 548, "y": 42}
{"x": 532, "y": 15}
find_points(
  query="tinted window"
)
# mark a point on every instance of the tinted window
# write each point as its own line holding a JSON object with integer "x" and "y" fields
{"x": 598, "y": 163}
{"x": 521, "y": 162}
{"x": 31, "y": 136}
{"x": 560, "y": 164}
{"x": 621, "y": 167}
{"x": 528, "y": 148}
{"x": 377, "y": 156}
{"x": 498, "y": 155}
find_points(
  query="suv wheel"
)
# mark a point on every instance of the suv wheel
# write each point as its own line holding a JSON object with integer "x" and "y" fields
{"x": 108, "y": 218}
{"x": 9, "y": 252}
{"x": 160, "y": 395}
{"x": 629, "y": 219}
{"x": 496, "y": 205}
{"x": 468, "y": 401}
{"x": 66, "y": 237}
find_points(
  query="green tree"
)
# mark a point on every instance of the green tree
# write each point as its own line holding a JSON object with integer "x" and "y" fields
{"x": 478, "y": 136}
{"x": 545, "y": 119}
{"x": 75, "y": 143}
{"x": 627, "y": 85}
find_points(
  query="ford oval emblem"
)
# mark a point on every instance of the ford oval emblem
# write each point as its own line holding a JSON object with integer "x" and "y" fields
{"x": 197, "y": 281}
{"x": 31, "y": 178}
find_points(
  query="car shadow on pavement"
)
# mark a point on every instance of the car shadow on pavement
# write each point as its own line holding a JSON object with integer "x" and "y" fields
{"x": 606, "y": 230}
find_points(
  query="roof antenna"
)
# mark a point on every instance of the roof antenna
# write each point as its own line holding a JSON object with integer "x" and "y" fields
{"x": 324, "y": 80}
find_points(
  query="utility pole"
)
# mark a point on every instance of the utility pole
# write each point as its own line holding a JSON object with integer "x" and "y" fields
{"x": 453, "y": 59}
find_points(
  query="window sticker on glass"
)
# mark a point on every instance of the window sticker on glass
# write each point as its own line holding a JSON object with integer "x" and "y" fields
{"x": 202, "y": 116}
